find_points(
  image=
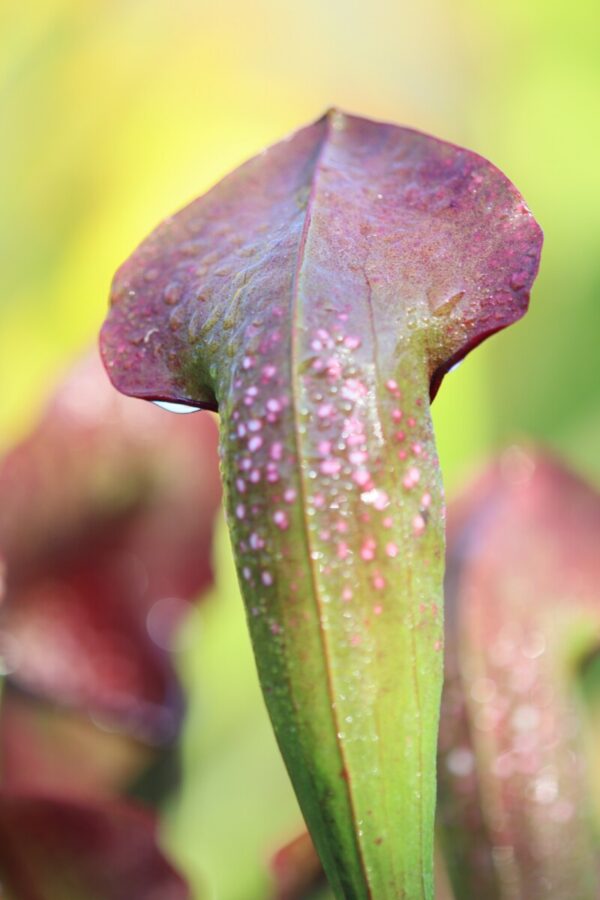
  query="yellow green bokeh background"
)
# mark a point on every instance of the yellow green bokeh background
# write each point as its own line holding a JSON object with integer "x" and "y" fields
{"x": 114, "y": 113}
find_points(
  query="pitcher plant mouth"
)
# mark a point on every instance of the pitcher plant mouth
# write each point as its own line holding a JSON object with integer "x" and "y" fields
{"x": 316, "y": 297}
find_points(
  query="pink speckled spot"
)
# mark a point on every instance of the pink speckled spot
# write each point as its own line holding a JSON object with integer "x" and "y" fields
{"x": 342, "y": 550}
{"x": 254, "y": 425}
{"x": 355, "y": 640}
{"x": 266, "y": 578}
{"x": 354, "y": 389}
{"x": 381, "y": 500}
{"x": 326, "y": 411}
{"x": 410, "y": 422}
{"x": 358, "y": 457}
{"x": 378, "y": 581}
{"x": 417, "y": 449}
{"x": 411, "y": 478}
{"x": 367, "y": 551}
{"x": 274, "y": 406}
{"x": 400, "y": 436}
{"x": 391, "y": 549}
{"x": 269, "y": 372}
{"x": 276, "y": 451}
{"x": 256, "y": 542}
{"x": 397, "y": 415}
{"x": 247, "y": 362}
{"x": 255, "y": 443}
{"x": 289, "y": 495}
{"x": 352, "y": 343}
{"x": 418, "y": 524}
{"x": 362, "y": 478}
{"x": 347, "y": 594}
{"x": 341, "y": 526}
{"x": 241, "y": 430}
{"x": 334, "y": 369}
{"x": 378, "y": 609}
{"x": 356, "y": 440}
{"x": 387, "y": 522}
{"x": 426, "y": 500}
{"x": 240, "y": 510}
{"x": 275, "y": 628}
{"x": 330, "y": 466}
{"x": 254, "y": 476}
{"x": 319, "y": 501}
{"x": 353, "y": 425}
{"x": 281, "y": 520}
{"x": 324, "y": 448}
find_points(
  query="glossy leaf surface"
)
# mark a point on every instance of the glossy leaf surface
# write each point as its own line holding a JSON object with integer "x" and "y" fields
{"x": 523, "y": 608}
{"x": 316, "y": 297}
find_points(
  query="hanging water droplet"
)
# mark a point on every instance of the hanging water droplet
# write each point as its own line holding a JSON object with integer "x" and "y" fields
{"x": 181, "y": 408}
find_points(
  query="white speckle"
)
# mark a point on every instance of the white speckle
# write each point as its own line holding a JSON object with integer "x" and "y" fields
{"x": 525, "y": 718}
{"x": 418, "y": 524}
{"x": 545, "y": 788}
{"x": 460, "y": 762}
{"x": 255, "y": 443}
{"x": 375, "y": 497}
{"x": 281, "y": 520}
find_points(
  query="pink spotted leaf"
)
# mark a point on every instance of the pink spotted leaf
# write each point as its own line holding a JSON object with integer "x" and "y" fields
{"x": 316, "y": 297}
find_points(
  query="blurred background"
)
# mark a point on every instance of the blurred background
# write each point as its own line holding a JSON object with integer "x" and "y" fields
{"x": 115, "y": 114}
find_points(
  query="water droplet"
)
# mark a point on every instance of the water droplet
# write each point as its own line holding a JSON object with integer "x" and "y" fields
{"x": 181, "y": 408}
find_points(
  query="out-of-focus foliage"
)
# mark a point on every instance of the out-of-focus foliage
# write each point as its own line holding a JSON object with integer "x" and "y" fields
{"x": 516, "y": 785}
{"x": 116, "y": 113}
{"x": 107, "y": 512}
{"x": 106, "y": 518}
{"x": 57, "y": 848}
